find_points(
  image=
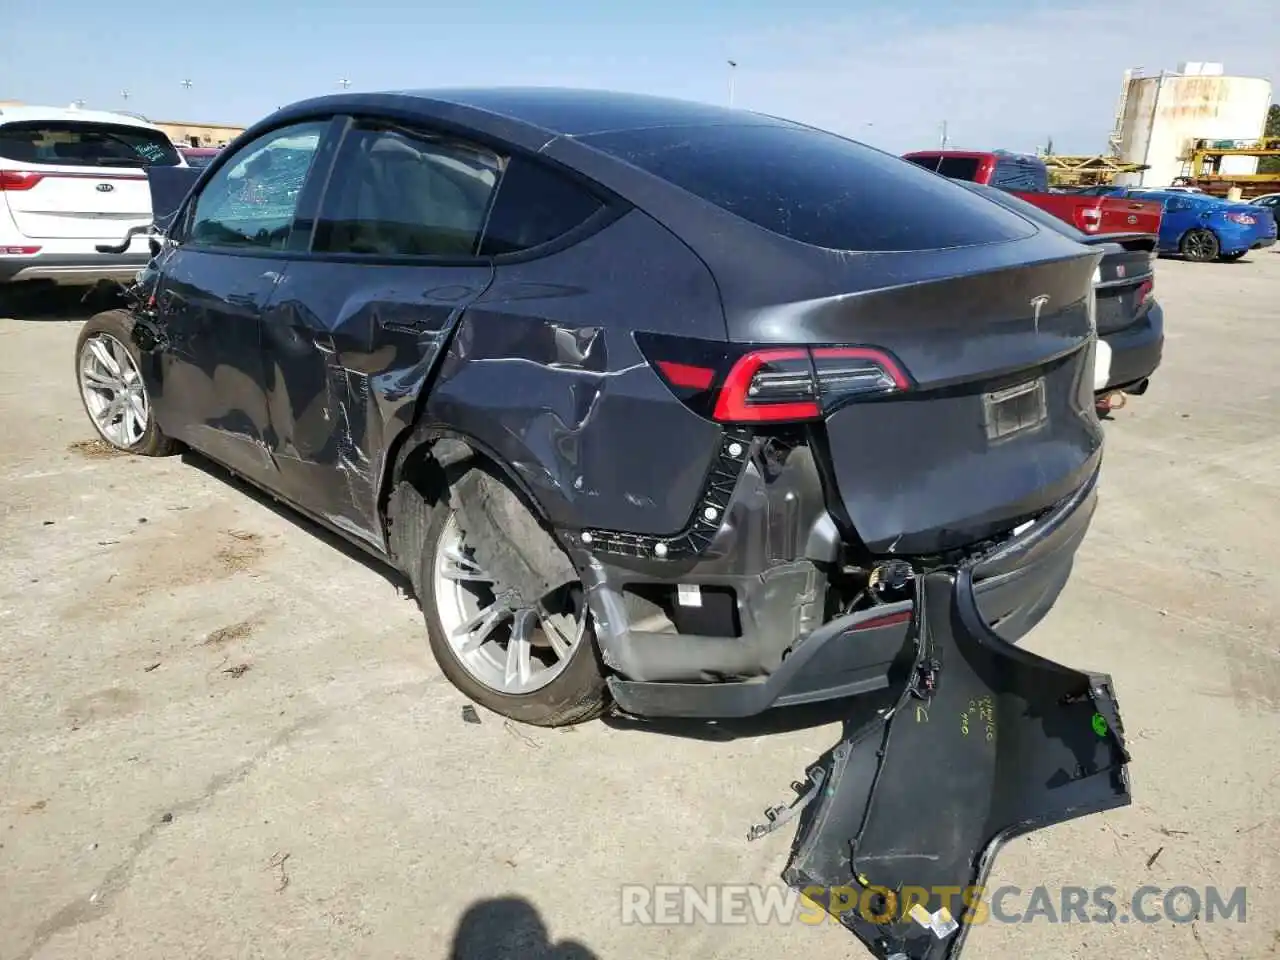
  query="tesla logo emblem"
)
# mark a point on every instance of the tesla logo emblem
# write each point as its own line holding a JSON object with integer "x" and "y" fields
{"x": 105, "y": 188}
{"x": 1120, "y": 270}
{"x": 1037, "y": 304}
{"x": 1132, "y": 219}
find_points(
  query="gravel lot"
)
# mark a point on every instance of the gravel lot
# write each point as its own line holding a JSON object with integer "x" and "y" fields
{"x": 222, "y": 734}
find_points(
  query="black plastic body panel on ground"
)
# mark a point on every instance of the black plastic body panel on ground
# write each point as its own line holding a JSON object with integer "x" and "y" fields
{"x": 984, "y": 743}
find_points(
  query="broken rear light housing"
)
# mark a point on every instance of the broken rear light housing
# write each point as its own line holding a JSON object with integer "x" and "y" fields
{"x": 751, "y": 383}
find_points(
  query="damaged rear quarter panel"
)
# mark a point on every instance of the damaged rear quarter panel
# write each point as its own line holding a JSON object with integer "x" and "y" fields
{"x": 544, "y": 372}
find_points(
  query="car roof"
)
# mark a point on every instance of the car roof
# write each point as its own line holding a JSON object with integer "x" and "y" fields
{"x": 550, "y": 111}
{"x": 29, "y": 114}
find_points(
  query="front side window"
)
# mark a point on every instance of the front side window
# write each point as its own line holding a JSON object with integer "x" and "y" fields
{"x": 400, "y": 192}
{"x": 251, "y": 200}
{"x": 80, "y": 144}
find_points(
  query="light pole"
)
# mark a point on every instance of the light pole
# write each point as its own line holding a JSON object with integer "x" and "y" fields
{"x": 733, "y": 71}
{"x": 124, "y": 95}
{"x": 343, "y": 82}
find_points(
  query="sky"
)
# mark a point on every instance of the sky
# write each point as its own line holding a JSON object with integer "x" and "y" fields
{"x": 1002, "y": 73}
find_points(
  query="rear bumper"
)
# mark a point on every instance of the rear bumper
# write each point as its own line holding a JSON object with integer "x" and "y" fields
{"x": 1013, "y": 587}
{"x": 72, "y": 268}
{"x": 1136, "y": 350}
{"x": 1264, "y": 242}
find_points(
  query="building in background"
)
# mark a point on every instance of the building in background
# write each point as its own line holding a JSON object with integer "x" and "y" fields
{"x": 186, "y": 133}
{"x": 1160, "y": 117}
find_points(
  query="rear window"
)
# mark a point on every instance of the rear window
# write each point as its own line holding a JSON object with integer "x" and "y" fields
{"x": 86, "y": 145}
{"x": 815, "y": 187}
{"x": 957, "y": 168}
{"x": 1028, "y": 210}
{"x": 1016, "y": 173}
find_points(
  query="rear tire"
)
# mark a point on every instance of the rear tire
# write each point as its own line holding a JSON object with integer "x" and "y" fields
{"x": 1200, "y": 246}
{"x": 574, "y": 692}
{"x": 112, "y": 390}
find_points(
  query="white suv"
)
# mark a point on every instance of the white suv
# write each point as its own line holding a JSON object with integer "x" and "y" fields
{"x": 70, "y": 181}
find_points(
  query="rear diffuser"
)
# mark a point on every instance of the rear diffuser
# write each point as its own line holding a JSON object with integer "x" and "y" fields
{"x": 902, "y": 819}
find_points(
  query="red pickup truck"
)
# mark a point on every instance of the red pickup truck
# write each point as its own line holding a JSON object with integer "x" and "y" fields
{"x": 1028, "y": 178}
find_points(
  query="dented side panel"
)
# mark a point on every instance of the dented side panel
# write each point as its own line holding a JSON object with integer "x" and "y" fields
{"x": 544, "y": 372}
{"x": 347, "y": 349}
{"x": 207, "y": 384}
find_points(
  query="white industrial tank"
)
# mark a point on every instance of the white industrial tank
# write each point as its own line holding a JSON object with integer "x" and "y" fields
{"x": 1164, "y": 115}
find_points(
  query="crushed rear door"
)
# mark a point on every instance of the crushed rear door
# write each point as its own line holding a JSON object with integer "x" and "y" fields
{"x": 901, "y": 821}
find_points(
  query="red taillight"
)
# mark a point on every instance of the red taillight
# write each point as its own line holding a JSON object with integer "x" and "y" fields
{"x": 1090, "y": 218}
{"x": 13, "y": 180}
{"x": 768, "y": 385}
{"x": 687, "y": 375}
{"x": 19, "y": 251}
{"x": 1242, "y": 218}
{"x": 744, "y": 384}
{"x": 1144, "y": 291}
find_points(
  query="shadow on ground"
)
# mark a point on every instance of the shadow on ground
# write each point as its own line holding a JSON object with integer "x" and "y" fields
{"x": 510, "y": 928}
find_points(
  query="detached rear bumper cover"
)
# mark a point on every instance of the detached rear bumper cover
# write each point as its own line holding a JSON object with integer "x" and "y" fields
{"x": 985, "y": 742}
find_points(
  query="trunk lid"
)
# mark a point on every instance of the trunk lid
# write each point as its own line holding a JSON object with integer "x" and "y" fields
{"x": 1126, "y": 281}
{"x": 998, "y": 423}
{"x": 67, "y": 202}
{"x": 1123, "y": 215}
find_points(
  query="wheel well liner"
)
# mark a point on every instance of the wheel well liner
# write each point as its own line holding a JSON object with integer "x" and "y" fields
{"x": 423, "y": 461}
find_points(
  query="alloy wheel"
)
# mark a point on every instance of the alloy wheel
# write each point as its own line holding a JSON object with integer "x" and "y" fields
{"x": 509, "y": 647}
{"x": 113, "y": 391}
{"x": 1201, "y": 245}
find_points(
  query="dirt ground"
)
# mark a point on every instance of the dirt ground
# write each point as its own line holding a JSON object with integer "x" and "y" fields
{"x": 222, "y": 734}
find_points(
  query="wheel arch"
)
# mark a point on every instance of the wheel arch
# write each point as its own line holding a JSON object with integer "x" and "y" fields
{"x": 422, "y": 456}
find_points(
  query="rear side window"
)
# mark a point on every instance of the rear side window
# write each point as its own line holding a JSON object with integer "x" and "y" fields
{"x": 535, "y": 205}
{"x": 86, "y": 145}
{"x": 399, "y": 192}
{"x": 815, "y": 187}
{"x": 957, "y": 168}
{"x": 1018, "y": 173}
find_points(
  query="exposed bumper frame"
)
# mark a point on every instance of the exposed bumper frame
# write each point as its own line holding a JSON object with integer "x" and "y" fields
{"x": 1013, "y": 585}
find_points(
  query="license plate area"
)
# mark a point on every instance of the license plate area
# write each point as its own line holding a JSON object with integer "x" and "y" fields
{"x": 1014, "y": 410}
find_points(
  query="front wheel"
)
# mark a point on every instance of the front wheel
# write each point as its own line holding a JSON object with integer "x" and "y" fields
{"x": 531, "y": 660}
{"x": 1200, "y": 246}
{"x": 109, "y": 375}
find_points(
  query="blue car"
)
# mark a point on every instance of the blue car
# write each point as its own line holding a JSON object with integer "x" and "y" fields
{"x": 1205, "y": 228}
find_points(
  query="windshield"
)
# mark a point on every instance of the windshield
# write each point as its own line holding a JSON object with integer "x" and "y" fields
{"x": 77, "y": 144}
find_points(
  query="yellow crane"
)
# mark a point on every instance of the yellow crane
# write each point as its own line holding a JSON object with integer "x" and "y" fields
{"x": 1202, "y": 166}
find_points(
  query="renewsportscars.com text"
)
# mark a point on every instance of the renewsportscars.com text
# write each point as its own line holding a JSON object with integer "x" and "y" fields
{"x": 676, "y": 904}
